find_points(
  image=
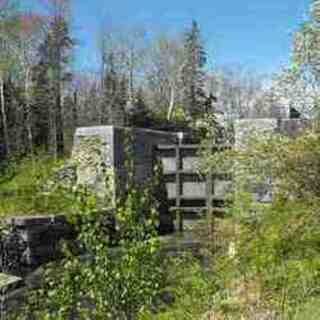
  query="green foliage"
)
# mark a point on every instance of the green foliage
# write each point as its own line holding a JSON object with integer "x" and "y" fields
{"x": 193, "y": 72}
{"x": 111, "y": 276}
{"x": 23, "y": 185}
{"x": 310, "y": 311}
{"x": 115, "y": 94}
{"x": 191, "y": 287}
{"x": 140, "y": 115}
{"x": 275, "y": 255}
{"x": 179, "y": 114}
{"x": 52, "y": 72}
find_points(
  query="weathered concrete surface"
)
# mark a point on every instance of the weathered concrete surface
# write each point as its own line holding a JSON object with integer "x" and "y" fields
{"x": 169, "y": 164}
{"x": 171, "y": 189}
{"x": 12, "y": 294}
{"x": 194, "y": 190}
{"x": 110, "y": 151}
{"x": 190, "y": 163}
{"x": 7, "y": 281}
{"x": 31, "y": 242}
{"x": 102, "y": 155}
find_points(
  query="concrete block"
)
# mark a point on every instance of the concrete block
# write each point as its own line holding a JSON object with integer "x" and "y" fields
{"x": 171, "y": 189}
{"x": 190, "y": 163}
{"x": 194, "y": 189}
{"x": 169, "y": 164}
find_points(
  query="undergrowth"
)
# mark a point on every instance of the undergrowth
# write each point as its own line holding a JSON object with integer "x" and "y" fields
{"x": 23, "y": 188}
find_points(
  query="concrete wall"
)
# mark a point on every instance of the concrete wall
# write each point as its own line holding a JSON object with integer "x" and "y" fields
{"x": 13, "y": 292}
{"x": 107, "y": 156}
{"x": 114, "y": 143}
{"x": 31, "y": 242}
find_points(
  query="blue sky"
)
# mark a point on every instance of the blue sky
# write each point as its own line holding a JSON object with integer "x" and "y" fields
{"x": 255, "y": 33}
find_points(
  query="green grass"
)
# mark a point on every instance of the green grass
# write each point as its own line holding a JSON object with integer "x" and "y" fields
{"x": 20, "y": 188}
{"x": 310, "y": 310}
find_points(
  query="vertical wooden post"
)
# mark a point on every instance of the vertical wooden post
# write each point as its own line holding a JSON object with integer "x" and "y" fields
{"x": 210, "y": 213}
{"x": 209, "y": 194}
{"x": 178, "y": 189}
{"x": 209, "y": 191}
{"x": 178, "y": 184}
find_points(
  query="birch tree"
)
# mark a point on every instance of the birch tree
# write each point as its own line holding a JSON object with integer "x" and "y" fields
{"x": 8, "y": 29}
{"x": 164, "y": 69}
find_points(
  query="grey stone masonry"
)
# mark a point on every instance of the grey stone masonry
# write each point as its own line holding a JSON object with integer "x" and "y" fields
{"x": 102, "y": 152}
{"x": 25, "y": 244}
{"x": 31, "y": 242}
{"x": 12, "y": 294}
{"x": 111, "y": 146}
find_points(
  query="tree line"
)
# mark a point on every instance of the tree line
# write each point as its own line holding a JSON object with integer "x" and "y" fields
{"x": 43, "y": 98}
{"x": 159, "y": 81}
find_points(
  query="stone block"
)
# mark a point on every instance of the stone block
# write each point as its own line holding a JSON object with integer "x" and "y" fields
{"x": 190, "y": 163}
{"x": 103, "y": 155}
{"x": 9, "y": 282}
{"x": 194, "y": 189}
{"x": 32, "y": 241}
{"x": 110, "y": 147}
{"x": 12, "y": 294}
{"x": 169, "y": 164}
{"x": 171, "y": 189}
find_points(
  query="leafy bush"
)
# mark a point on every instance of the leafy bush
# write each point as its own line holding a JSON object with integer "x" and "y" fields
{"x": 191, "y": 290}
{"x": 107, "y": 276}
{"x": 275, "y": 255}
{"x": 22, "y": 188}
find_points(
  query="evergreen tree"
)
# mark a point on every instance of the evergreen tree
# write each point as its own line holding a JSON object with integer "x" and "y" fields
{"x": 193, "y": 72}
{"x": 70, "y": 119}
{"x": 140, "y": 114}
{"x": 109, "y": 91}
{"x": 42, "y": 104}
{"x": 119, "y": 111}
{"x": 114, "y": 95}
{"x": 89, "y": 109}
{"x": 54, "y": 56}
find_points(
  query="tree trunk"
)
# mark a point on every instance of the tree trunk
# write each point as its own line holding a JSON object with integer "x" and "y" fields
{"x": 131, "y": 70}
{"x": 52, "y": 128}
{"x": 59, "y": 122}
{"x": 75, "y": 109}
{"x": 171, "y": 105}
{"x": 4, "y": 117}
{"x": 28, "y": 112}
{"x": 58, "y": 102}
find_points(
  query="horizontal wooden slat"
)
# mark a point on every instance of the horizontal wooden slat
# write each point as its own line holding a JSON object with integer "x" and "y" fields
{"x": 190, "y": 209}
{"x": 192, "y": 146}
{"x": 198, "y": 209}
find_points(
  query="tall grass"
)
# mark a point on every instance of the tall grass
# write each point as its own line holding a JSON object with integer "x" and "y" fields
{"x": 22, "y": 188}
